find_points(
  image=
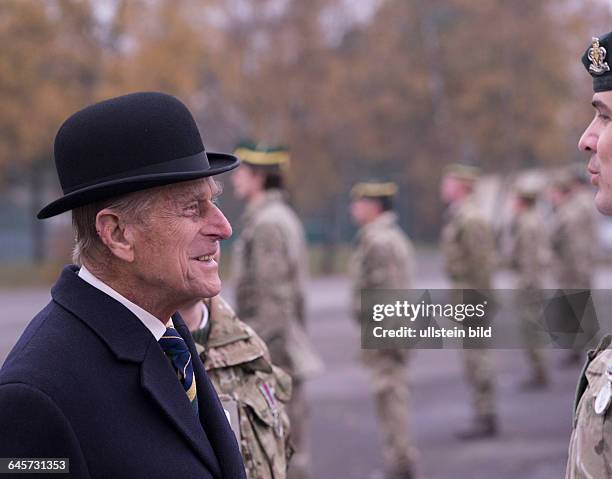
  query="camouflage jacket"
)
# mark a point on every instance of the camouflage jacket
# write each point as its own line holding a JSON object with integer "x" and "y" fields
{"x": 269, "y": 267}
{"x": 573, "y": 241}
{"x": 252, "y": 390}
{"x": 590, "y": 450}
{"x": 530, "y": 254}
{"x": 468, "y": 247}
{"x": 383, "y": 258}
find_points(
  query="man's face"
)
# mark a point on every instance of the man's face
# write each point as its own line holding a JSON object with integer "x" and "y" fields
{"x": 597, "y": 140}
{"x": 452, "y": 189}
{"x": 364, "y": 210}
{"x": 176, "y": 244}
{"x": 246, "y": 182}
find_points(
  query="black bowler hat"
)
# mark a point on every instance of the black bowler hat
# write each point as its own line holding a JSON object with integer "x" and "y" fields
{"x": 126, "y": 144}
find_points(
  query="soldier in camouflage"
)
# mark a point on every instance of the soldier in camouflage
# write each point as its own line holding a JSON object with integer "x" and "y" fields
{"x": 468, "y": 247}
{"x": 591, "y": 441}
{"x": 384, "y": 259}
{"x": 270, "y": 271}
{"x": 253, "y": 391}
{"x": 573, "y": 243}
{"x": 529, "y": 257}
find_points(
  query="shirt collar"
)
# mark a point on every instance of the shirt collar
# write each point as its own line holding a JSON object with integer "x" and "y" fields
{"x": 151, "y": 322}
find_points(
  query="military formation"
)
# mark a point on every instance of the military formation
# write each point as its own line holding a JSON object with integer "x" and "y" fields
{"x": 259, "y": 357}
{"x": 550, "y": 233}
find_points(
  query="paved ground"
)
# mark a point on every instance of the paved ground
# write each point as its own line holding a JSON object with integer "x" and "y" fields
{"x": 346, "y": 442}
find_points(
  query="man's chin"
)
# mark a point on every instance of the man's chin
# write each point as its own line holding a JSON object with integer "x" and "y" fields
{"x": 212, "y": 290}
{"x": 603, "y": 202}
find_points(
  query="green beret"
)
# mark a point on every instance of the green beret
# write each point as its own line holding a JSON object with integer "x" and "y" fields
{"x": 256, "y": 154}
{"x": 595, "y": 60}
{"x": 462, "y": 172}
{"x": 373, "y": 189}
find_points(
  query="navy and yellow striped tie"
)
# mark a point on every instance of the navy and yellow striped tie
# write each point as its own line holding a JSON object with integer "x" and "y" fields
{"x": 177, "y": 351}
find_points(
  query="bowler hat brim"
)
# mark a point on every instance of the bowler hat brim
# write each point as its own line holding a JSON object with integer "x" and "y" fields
{"x": 219, "y": 163}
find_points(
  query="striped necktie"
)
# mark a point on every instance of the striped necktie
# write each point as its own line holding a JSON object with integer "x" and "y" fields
{"x": 177, "y": 351}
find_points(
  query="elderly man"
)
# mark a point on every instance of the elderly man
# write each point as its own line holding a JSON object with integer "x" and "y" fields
{"x": 106, "y": 374}
{"x": 589, "y": 451}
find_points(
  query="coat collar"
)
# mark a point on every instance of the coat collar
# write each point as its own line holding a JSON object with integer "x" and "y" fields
{"x": 116, "y": 325}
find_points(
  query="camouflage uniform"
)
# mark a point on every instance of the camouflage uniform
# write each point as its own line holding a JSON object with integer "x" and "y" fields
{"x": 590, "y": 449}
{"x": 269, "y": 267}
{"x": 530, "y": 256}
{"x": 384, "y": 259}
{"x": 573, "y": 242}
{"x": 251, "y": 388}
{"x": 591, "y": 442}
{"x": 468, "y": 248}
{"x": 574, "y": 247}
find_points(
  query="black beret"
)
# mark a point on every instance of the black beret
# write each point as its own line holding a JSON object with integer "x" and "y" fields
{"x": 595, "y": 60}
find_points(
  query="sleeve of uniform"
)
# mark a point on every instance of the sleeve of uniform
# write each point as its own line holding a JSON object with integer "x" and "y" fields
{"x": 530, "y": 253}
{"x": 580, "y": 245}
{"x": 479, "y": 247}
{"x": 32, "y": 426}
{"x": 272, "y": 268}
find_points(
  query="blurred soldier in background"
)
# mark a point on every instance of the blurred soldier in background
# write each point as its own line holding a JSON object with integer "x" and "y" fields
{"x": 468, "y": 247}
{"x": 384, "y": 259}
{"x": 270, "y": 270}
{"x": 573, "y": 242}
{"x": 252, "y": 390}
{"x": 591, "y": 441}
{"x": 529, "y": 257}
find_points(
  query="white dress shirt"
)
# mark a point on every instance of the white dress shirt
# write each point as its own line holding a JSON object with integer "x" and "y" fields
{"x": 153, "y": 324}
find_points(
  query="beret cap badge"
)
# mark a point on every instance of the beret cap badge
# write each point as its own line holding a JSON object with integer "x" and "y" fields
{"x": 597, "y": 55}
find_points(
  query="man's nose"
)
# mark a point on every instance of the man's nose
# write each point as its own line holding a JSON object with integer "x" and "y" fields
{"x": 218, "y": 225}
{"x": 588, "y": 140}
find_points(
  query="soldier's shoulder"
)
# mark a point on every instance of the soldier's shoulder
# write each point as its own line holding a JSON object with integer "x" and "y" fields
{"x": 275, "y": 214}
{"x": 231, "y": 341}
{"x": 470, "y": 215}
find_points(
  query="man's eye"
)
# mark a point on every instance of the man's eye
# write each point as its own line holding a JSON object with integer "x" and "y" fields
{"x": 193, "y": 208}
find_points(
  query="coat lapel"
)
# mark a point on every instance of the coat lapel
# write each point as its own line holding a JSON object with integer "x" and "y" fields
{"x": 212, "y": 416}
{"x": 160, "y": 381}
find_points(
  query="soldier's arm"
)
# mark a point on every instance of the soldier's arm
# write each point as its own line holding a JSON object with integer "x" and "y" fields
{"x": 530, "y": 254}
{"x": 579, "y": 246}
{"x": 272, "y": 270}
{"x": 479, "y": 246}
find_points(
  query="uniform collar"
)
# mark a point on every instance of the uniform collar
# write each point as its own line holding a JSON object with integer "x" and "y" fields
{"x": 384, "y": 220}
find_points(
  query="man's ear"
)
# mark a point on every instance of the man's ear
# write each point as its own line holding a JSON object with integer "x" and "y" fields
{"x": 115, "y": 234}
